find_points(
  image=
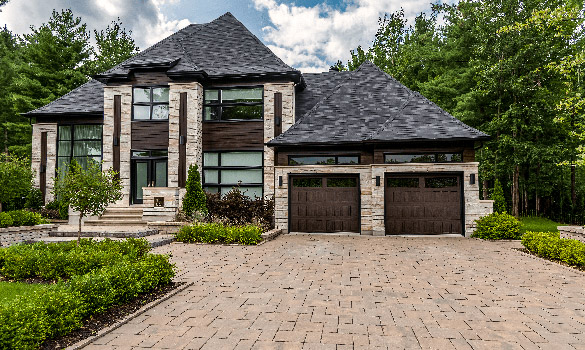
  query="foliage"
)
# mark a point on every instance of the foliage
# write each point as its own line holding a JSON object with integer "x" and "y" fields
{"x": 220, "y": 233}
{"x": 87, "y": 190}
{"x": 34, "y": 199}
{"x": 550, "y": 245}
{"x": 52, "y": 261}
{"x": 537, "y": 224}
{"x": 15, "y": 177}
{"x": 235, "y": 208}
{"x": 5, "y": 220}
{"x": 61, "y": 206}
{"x": 194, "y": 200}
{"x": 60, "y": 308}
{"x": 26, "y": 218}
{"x": 498, "y": 198}
{"x": 11, "y": 290}
{"x": 497, "y": 226}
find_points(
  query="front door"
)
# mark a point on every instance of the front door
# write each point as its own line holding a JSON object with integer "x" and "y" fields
{"x": 147, "y": 171}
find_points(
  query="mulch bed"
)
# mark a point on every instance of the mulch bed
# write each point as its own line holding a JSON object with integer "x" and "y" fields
{"x": 524, "y": 250}
{"x": 107, "y": 318}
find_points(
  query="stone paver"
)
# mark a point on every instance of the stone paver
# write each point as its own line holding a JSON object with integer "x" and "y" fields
{"x": 356, "y": 292}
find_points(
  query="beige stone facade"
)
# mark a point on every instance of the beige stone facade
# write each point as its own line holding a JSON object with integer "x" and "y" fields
{"x": 372, "y": 196}
{"x": 288, "y": 119}
{"x": 51, "y": 130}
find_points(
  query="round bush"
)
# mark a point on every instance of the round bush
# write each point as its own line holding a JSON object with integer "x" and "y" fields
{"x": 497, "y": 226}
{"x": 5, "y": 220}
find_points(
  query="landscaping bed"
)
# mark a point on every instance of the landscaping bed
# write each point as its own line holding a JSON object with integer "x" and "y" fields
{"x": 80, "y": 282}
{"x": 550, "y": 246}
{"x": 220, "y": 233}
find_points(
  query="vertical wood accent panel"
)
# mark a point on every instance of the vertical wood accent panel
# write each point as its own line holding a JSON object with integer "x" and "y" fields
{"x": 43, "y": 169}
{"x": 182, "y": 139}
{"x": 116, "y": 137}
{"x": 277, "y": 113}
{"x": 150, "y": 135}
{"x": 233, "y": 135}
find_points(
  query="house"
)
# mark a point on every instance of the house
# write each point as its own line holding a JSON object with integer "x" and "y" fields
{"x": 339, "y": 151}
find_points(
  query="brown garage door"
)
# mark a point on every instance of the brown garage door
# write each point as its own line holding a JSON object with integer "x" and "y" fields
{"x": 423, "y": 204}
{"x": 324, "y": 204}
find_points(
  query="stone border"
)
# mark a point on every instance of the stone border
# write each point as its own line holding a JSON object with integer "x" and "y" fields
{"x": 139, "y": 234}
{"x": 85, "y": 342}
{"x": 19, "y": 234}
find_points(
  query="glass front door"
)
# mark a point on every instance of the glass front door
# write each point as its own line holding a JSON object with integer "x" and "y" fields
{"x": 149, "y": 169}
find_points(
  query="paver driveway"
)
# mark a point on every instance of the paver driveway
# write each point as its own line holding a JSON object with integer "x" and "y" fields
{"x": 355, "y": 292}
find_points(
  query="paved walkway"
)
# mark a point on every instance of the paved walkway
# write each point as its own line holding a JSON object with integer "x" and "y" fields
{"x": 340, "y": 292}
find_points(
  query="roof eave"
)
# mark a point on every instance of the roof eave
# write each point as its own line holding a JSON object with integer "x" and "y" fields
{"x": 64, "y": 114}
{"x": 373, "y": 142}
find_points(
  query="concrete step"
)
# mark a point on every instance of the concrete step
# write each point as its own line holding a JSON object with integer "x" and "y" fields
{"x": 128, "y": 211}
{"x": 128, "y": 222}
{"x": 120, "y": 217}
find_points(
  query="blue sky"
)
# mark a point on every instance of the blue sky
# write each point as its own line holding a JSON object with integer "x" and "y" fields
{"x": 309, "y": 35}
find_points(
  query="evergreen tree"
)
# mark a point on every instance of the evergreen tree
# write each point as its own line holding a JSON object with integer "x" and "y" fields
{"x": 195, "y": 200}
{"x": 498, "y": 198}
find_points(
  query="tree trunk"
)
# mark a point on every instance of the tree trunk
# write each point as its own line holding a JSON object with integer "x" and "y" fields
{"x": 0, "y": 207}
{"x": 79, "y": 230}
{"x": 485, "y": 189}
{"x": 516, "y": 191}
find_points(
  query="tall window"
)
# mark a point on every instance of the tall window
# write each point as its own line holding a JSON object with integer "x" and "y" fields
{"x": 224, "y": 170}
{"x": 233, "y": 104}
{"x": 150, "y": 103}
{"x": 80, "y": 142}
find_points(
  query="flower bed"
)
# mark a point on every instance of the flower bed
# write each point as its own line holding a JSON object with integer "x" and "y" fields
{"x": 89, "y": 279}
{"x": 550, "y": 245}
{"x": 220, "y": 233}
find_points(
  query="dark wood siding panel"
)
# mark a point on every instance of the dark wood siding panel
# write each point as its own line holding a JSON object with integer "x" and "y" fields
{"x": 233, "y": 135}
{"x": 117, "y": 130}
{"x": 146, "y": 78}
{"x": 149, "y": 135}
{"x": 277, "y": 113}
{"x": 182, "y": 139}
{"x": 43, "y": 169}
{"x": 469, "y": 155}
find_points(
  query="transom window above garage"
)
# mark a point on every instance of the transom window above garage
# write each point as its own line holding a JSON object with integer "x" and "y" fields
{"x": 395, "y": 158}
{"x": 241, "y": 103}
{"x": 324, "y": 160}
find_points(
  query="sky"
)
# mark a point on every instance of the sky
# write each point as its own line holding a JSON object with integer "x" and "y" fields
{"x": 309, "y": 35}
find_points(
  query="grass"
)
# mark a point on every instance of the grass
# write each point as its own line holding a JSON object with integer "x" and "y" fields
{"x": 10, "y": 290}
{"x": 537, "y": 224}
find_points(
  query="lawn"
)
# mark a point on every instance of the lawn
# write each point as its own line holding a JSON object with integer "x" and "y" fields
{"x": 10, "y": 290}
{"x": 537, "y": 224}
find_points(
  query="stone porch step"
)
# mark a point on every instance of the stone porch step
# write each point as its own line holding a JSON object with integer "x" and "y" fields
{"x": 127, "y": 222}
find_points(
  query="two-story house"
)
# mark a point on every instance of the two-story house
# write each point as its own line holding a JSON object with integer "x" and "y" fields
{"x": 339, "y": 151}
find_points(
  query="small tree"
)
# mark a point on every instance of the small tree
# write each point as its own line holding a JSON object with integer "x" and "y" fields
{"x": 88, "y": 191}
{"x": 195, "y": 199}
{"x": 498, "y": 197}
{"x": 15, "y": 177}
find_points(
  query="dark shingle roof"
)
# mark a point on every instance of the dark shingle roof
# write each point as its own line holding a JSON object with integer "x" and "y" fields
{"x": 86, "y": 99}
{"x": 368, "y": 105}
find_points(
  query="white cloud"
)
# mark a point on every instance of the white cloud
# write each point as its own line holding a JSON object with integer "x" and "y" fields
{"x": 143, "y": 17}
{"x": 313, "y": 38}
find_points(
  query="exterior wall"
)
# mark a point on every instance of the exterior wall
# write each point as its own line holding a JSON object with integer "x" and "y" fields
{"x": 372, "y": 196}
{"x": 288, "y": 119}
{"x": 125, "y": 92}
{"x": 51, "y": 130}
{"x": 194, "y": 128}
{"x": 165, "y": 213}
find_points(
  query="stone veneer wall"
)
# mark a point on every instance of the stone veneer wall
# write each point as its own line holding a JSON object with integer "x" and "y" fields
{"x": 372, "y": 197}
{"x": 194, "y": 128}
{"x": 51, "y": 130}
{"x": 14, "y": 235}
{"x": 125, "y": 92}
{"x": 288, "y": 119}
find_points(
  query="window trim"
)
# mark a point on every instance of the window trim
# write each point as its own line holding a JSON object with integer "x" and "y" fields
{"x": 151, "y": 103}
{"x": 219, "y": 168}
{"x": 435, "y": 154}
{"x": 72, "y": 125}
{"x": 228, "y": 104}
{"x": 336, "y": 156}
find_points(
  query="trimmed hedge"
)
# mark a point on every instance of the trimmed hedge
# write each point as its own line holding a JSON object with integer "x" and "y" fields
{"x": 27, "y": 321}
{"x": 551, "y": 246}
{"x": 497, "y": 226}
{"x": 21, "y": 218}
{"x": 219, "y": 233}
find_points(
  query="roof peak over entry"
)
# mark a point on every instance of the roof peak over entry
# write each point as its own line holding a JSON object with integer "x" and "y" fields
{"x": 368, "y": 105}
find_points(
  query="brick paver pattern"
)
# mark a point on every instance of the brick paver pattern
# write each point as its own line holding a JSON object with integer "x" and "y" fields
{"x": 356, "y": 292}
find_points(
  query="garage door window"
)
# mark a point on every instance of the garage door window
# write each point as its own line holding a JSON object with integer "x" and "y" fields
{"x": 224, "y": 170}
{"x": 342, "y": 182}
{"x": 440, "y": 182}
{"x": 307, "y": 182}
{"x": 423, "y": 158}
{"x": 403, "y": 182}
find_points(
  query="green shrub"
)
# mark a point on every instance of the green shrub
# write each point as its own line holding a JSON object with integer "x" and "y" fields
{"x": 498, "y": 198}
{"x": 194, "y": 200}
{"x": 26, "y": 218}
{"x": 235, "y": 208}
{"x": 34, "y": 199}
{"x": 550, "y": 245}
{"x": 5, "y": 220}
{"x": 497, "y": 226}
{"x": 62, "y": 207}
{"x": 219, "y": 233}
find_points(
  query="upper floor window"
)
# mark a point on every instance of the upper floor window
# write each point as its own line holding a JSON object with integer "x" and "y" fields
{"x": 323, "y": 160}
{"x": 242, "y": 103}
{"x": 80, "y": 142}
{"x": 423, "y": 158}
{"x": 150, "y": 103}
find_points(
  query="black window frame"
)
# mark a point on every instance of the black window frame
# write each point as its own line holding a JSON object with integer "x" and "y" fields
{"x": 219, "y": 185}
{"x": 336, "y": 156}
{"x": 151, "y": 103}
{"x": 434, "y": 154}
{"x": 231, "y": 104}
{"x": 72, "y": 141}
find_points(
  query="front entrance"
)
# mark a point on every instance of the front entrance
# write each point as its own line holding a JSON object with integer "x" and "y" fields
{"x": 149, "y": 169}
{"x": 320, "y": 203}
{"x": 423, "y": 204}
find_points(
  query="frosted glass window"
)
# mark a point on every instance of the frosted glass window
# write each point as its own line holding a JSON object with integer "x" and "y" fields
{"x": 65, "y": 133}
{"x": 141, "y": 95}
{"x": 142, "y": 112}
{"x": 241, "y": 159}
{"x": 160, "y": 174}
{"x": 87, "y": 148}
{"x": 160, "y": 95}
{"x": 244, "y": 176}
{"x": 160, "y": 112}
{"x": 64, "y": 148}
{"x": 211, "y": 96}
{"x": 82, "y": 143}
{"x": 223, "y": 170}
{"x": 211, "y": 176}
{"x": 210, "y": 159}
{"x": 241, "y": 95}
{"x": 150, "y": 103}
